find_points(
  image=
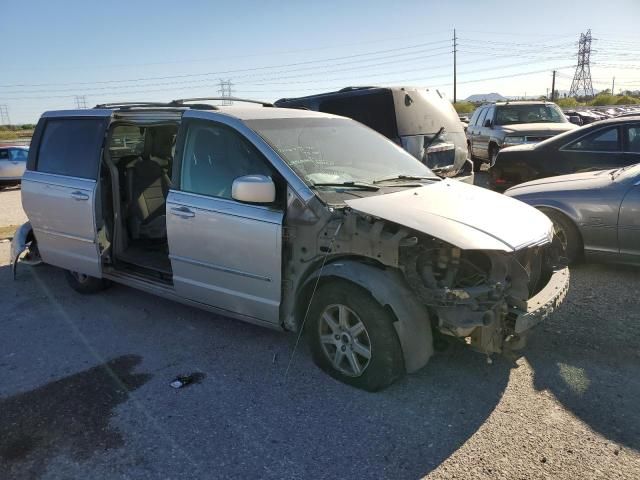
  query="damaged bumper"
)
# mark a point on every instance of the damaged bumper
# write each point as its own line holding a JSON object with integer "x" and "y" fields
{"x": 544, "y": 302}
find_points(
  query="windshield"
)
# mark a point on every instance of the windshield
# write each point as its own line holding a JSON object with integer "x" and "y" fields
{"x": 336, "y": 150}
{"x": 536, "y": 113}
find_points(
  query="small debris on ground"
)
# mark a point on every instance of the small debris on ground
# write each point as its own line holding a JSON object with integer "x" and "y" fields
{"x": 187, "y": 379}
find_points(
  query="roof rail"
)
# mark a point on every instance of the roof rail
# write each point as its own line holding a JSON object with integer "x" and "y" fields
{"x": 131, "y": 104}
{"x": 182, "y": 101}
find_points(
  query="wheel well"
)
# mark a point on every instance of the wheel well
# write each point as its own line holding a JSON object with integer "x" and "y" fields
{"x": 304, "y": 296}
{"x": 560, "y": 213}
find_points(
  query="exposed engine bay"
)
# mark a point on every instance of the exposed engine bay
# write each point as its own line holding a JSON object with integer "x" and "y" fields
{"x": 474, "y": 295}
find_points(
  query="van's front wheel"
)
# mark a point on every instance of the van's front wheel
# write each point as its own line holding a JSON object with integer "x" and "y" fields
{"x": 83, "y": 283}
{"x": 352, "y": 338}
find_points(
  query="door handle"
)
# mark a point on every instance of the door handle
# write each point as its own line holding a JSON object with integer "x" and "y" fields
{"x": 79, "y": 196}
{"x": 182, "y": 212}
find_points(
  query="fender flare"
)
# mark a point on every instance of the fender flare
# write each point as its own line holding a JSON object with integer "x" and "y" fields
{"x": 389, "y": 288}
{"x": 19, "y": 244}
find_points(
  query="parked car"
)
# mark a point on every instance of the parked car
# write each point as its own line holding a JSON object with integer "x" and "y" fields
{"x": 13, "y": 160}
{"x": 606, "y": 144}
{"x": 290, "y": 219}
{"x": 504, "y": 124}
{"x": 420, "y": 120}
{"x": 594, "y": 213}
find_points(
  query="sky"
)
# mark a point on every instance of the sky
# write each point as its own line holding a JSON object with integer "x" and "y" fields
{"x": 160, "y": 50}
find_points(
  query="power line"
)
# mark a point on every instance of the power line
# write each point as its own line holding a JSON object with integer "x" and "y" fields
{"x": 414, "y": 58}
{"x": 308, "y": 62}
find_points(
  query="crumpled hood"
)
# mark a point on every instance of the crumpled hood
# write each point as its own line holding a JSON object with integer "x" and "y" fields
{"x": 539, "y": 128}
{"x": 469, "y": 217}
{"x": 575, "y": 181}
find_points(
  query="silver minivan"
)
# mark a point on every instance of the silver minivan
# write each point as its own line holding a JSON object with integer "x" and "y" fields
{"x": 291, "y": 219}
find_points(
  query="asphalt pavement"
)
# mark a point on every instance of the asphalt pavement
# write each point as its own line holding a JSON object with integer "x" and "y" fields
{"x": 85, "y": 393}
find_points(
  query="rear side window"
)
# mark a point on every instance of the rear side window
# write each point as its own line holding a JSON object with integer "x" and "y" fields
{"x": 483, "y": 113}
{"x": 606, "y": 140}
{"x": 375, "y": 110}
{"x": 71, "y": 147}
{"x": 474, "y": 117}
{"x": 4, "y": 154}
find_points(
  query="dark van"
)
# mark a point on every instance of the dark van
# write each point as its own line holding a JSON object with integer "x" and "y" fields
{"x": 422, "y": 121}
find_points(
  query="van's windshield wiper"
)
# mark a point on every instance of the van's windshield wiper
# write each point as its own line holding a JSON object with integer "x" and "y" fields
{"x": 350, "y": 184}
{"x": 404, "y": 177}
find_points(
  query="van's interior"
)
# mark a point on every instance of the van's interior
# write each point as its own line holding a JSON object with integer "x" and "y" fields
{"x": 135, "y": 178}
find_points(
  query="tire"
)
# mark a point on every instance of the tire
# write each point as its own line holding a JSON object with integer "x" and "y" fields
{"x": 568, "y": 234}
{"x": 85, "y": 284}
{"x": 352, "y": 309}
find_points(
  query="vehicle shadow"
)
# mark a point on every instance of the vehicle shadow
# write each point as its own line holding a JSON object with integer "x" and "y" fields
{"x": 588, "y": 353}
{"x": 250, "y": 420}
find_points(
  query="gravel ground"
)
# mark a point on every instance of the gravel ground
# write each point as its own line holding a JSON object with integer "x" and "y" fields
{"x": 85, "y": 394}
{"x": 11, "y": 212}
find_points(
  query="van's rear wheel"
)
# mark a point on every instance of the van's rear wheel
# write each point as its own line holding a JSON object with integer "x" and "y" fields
{"x": 352, "y": 338}
{"x": 83, "y": 283}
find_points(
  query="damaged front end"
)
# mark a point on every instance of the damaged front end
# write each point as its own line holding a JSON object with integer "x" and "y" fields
{"x": 488, "y": 297}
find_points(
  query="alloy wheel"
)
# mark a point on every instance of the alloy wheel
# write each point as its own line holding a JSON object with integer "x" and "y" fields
{"x": 345, "y": 340}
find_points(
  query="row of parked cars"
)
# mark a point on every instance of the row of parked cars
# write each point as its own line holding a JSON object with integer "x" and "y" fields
{"x": 586, "y": 179}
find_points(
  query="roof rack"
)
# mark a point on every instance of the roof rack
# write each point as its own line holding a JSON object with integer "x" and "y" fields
{"x": 131, "y": 104}
{"x": 181, "y": 101}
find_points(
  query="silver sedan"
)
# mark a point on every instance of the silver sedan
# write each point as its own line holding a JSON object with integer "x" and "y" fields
{"x": 595, "y": 214}
{"x": 13, "y": 160}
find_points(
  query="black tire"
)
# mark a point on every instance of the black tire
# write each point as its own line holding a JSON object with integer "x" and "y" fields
{"x": 85, "y": 284}
{"x": 568, "y": 234}
{"x": 385, "y": 364}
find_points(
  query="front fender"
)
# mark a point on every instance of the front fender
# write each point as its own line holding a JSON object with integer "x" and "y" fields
{"x": 388, "y": 287}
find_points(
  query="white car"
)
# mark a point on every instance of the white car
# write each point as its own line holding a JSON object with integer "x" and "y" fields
{"x": 13, "y": 161}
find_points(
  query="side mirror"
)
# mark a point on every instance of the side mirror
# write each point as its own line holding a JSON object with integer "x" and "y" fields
{"x": 253, "y": 189}
{"x": 575, "y": 119}
{"x": 487, "y": 123}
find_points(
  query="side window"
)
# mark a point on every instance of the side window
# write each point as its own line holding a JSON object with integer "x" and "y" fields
{"x": 18, "y": 155}
{"x": 71, "y": 147}
{"x": 474, "y": 117}
{"x": 214, "y": 156}
{"x": 601, "y": 141}
{"x": 4, "y": 154}
{"x": 482, "y": 116}
{"x": 489, "y": 115}
{"x": 633, "y": 138}
{"x": 375, "y": 110}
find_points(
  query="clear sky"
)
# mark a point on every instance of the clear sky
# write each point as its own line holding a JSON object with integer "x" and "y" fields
{"x": 160, "y": 50}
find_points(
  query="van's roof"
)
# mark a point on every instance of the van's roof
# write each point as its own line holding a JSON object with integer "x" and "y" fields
{"x": 240, "y": 112}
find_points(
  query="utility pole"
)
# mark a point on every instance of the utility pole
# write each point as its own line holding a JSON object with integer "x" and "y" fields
{"x": 582, "y": 78}
{"x": 455, "y": 51}
{"x": 613, "y": 85}
{"x": 553, "y": 87}
{"x": 4, "y": 115}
